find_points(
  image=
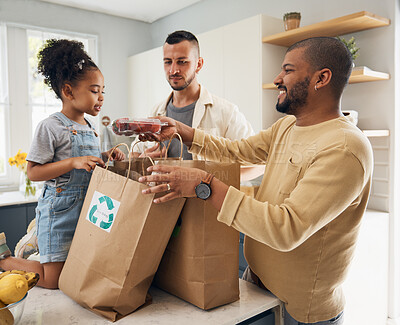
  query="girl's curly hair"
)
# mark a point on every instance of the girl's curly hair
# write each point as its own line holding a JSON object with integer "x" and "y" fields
{"x": 63, "y": 61}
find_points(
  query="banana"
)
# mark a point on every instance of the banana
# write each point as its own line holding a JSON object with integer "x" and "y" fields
{"x": 2, "y": 275}
{"x": 31, "y": 277}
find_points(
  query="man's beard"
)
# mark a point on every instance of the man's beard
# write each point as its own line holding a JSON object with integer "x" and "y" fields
{"x": 185, "y": 85}
{"x": 295, "y": 98}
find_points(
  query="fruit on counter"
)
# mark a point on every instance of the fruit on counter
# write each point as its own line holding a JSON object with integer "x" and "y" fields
{"x": 6, "y": 318}
{"x": 128, "y": 127}
{"x": 2, "y": 275}
{"x": 31, "y": 277}
{"x": 13, "y": 287}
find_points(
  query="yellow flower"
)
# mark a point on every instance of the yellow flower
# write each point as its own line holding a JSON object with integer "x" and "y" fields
{"x": 19, "y": 160}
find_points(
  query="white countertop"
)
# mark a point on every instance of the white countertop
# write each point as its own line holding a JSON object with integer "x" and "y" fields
{"x": 49, "y": 307}
{"x": 16, "y": 197}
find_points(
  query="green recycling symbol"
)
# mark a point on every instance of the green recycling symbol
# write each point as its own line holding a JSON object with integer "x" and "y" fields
{"x": 102, "y": 211}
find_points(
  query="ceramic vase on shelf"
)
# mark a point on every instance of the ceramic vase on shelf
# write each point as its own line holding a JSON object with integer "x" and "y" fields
{"x": 291, "y": 20}
{"x": 26, "y": 186}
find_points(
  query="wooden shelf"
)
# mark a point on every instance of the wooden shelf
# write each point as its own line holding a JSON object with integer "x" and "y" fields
{"x": 376, "y": 133}
{"x": 364, "y": 74}
{"x": 269, "y": 86}
{"x": 359, "y": 74}
{"x": 339, "y": 26}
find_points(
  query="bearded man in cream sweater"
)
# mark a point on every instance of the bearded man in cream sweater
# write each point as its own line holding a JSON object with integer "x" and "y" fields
{"x": 302, "y": 227}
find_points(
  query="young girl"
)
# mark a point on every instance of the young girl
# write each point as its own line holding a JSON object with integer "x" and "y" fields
{"x": 64, "y": 151}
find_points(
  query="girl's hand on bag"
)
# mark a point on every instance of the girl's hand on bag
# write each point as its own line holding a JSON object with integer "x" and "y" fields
{"x": 117, "y": 154}
{"x": 154, "y": 152}
{"x": 175, "y": 181}
{"x": 165, "y": 133}
{"x": 87, "y": 162}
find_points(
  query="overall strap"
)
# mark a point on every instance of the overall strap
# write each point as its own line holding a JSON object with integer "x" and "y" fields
{"x": 91, "y": 127}
{"x": 64, "y": 120}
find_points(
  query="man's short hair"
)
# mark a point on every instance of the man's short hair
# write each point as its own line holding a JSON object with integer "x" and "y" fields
{"x": 331, "y": 53}
{"x": 183, "y": 35}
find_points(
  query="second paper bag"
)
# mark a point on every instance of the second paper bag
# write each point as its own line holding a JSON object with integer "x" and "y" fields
{"x": 201, "y": 261}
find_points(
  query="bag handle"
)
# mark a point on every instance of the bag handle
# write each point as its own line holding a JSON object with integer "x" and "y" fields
{"x": 112, "y": 150}
{"x": 108, "y": 164}
{"x": 129, "y": 165}
{"x": 131, "y": 156}
{"x": 169, "y": 143}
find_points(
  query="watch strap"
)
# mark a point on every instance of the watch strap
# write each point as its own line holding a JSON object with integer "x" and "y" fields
{"x": 208, "y": 179}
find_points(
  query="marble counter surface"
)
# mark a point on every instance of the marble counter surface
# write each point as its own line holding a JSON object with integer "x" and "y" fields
{"x": 50, "y": 307}
{"x": 16, "y": 197}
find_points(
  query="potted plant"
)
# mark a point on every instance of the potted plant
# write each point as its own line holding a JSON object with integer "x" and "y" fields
{"x": 291, "y": 20}
{"x": 351, "y": 45}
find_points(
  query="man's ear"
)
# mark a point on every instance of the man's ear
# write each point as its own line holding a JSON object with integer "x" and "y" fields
{"x": 323, "y": 78}
{"x": 200, "y": 63}
{"x": 67, "y": 91}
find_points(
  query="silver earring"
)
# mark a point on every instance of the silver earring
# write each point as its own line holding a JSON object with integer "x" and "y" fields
{"x": 315, "y": 88}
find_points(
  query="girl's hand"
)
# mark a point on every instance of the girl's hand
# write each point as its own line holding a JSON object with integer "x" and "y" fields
{"x": 87, "y": 162}
{"x": 154, "y": 152}
{"x": 117, "y": 154}
{"x": 182, "y": 181}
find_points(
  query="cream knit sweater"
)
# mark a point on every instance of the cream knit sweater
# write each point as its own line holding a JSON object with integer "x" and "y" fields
{"x": 302, "y": 227}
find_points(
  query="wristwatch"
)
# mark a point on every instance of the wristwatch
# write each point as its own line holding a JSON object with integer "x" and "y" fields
{"x": 203, "y": 190}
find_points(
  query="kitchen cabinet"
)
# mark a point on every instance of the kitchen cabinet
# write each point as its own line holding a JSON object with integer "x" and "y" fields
{"x": 147, "y": 85}
{"x": 14, "y": 219}
{"x": 242, "y": 259}
{"x": 236, "y": 62}
{"x": 265, "y": 318}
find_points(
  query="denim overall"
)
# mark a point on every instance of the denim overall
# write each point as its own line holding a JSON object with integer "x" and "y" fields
{"x": 59, "y": 207}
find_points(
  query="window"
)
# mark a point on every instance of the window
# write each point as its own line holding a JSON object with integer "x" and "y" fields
{"x": 42, "y": 100}
{"x": 3, "y": 102}
{"x": 24, "y": 98}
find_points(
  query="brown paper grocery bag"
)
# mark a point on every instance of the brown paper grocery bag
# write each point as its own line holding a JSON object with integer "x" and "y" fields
{"x": 201, "y": 263}
{"x": 118, "y": 244}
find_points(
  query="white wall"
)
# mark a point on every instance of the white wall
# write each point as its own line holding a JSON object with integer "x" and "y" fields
{"x": 118, "y": 38}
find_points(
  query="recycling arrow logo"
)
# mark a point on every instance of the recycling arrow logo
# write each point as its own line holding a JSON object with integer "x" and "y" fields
{"x": 102, "y": 211}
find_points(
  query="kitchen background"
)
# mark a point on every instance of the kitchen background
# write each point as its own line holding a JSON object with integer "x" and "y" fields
{"x": 230, "y": 31}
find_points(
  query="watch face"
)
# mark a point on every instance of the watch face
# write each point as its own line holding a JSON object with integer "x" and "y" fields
{"x": 203, "y": 191}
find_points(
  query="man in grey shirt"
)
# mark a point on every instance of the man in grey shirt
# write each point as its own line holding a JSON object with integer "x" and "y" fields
{"x": 192, "y": 104}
